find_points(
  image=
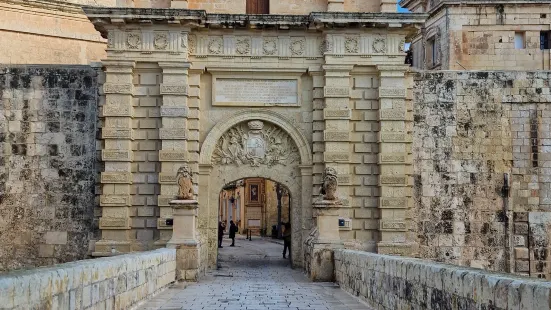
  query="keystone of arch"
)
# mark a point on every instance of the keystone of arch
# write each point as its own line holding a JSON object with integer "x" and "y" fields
{"x": 207, "y": 149}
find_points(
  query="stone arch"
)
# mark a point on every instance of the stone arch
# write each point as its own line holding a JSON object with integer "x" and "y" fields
{"x": 207, "y": 149}
{"x": 297, "y": 177}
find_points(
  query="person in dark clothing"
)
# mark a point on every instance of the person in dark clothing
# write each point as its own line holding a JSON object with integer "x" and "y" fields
{"x": 221, "y": 229}
{"x": 233, "y": 231}
{"x": 286, "y": 239}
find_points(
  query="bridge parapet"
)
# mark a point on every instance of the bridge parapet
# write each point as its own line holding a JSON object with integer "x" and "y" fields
{"x": 393, "y": 282}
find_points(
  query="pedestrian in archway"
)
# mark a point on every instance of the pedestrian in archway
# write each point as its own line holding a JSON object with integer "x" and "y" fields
{"x": 221, "y": 229}
{"x": 286, "y": 239}
{"x": 233, "y": 231}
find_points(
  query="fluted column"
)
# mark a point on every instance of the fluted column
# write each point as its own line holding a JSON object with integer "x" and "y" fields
{"x": 116, "y": 179}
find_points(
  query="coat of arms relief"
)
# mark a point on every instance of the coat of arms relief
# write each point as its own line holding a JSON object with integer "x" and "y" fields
{"x": 255, "y": 143}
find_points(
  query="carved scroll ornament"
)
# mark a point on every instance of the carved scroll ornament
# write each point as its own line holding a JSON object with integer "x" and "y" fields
{"x": 255, "y": 143}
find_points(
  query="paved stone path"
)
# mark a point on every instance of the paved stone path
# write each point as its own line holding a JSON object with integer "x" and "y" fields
{"x": 253, "y": 275}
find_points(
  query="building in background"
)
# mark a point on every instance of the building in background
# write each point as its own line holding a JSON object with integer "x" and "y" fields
{"x": 482, "y": 35}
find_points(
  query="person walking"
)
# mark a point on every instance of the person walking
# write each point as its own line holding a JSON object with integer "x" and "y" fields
{"x": 221, "y": 229}
{"x": 233, "y": 231}
{"x": 287, "y": 239}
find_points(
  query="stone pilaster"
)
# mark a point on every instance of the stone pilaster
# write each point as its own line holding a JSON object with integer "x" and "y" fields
{"x": 336, "y": 116}
{"x": 174, "y": 135}
{"x": 185, "y": 239}
{"x": 318, "y": 126}
{"x": 116, "y": 179}
{"x": 395, "y": 161}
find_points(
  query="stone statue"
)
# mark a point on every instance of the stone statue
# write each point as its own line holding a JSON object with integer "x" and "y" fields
{"x": 184, "y": 178}
{"x": 329, "y": 186}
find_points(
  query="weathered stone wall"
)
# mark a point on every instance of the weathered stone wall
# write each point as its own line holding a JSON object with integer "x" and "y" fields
{"x": 47, "y": 164}
{"x": 106, "y": 283}
{"x": 389, "y": 282}
{"x": 471, "y": 131}
{"x": 471, "y": 35}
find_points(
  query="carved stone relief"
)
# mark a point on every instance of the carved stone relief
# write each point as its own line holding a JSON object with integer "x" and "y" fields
{"x": 379, "y": 45}
{"x": 192, "y": 43}
{"x": 297, "y": 47}
{"x": 216, "y": 45}
{"x": 255, "y": 143}
{"x": 133, "y": 41}
{"x": 243, "y": 46}
{"x": 269, "y": 46}
{"x": 351, "y": 45}
{"x": 160, "y": 41}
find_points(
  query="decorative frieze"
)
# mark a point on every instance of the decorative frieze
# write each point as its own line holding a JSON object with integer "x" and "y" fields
{"x": 114, "y": 223}
{"x": 392, "y": 114}
{"x": 393, "y": 180}
{"x": 394, "y": 137}
{"x": 336, "y": 156}
{"x": 167, "y": 155}
{"x": 116, "y": 133}
{"x": 336, "y": 91}
{"x": 337, "y": 114}
{"x": 393, "y": 203}
{"x": 116, "y": 155}
{"x": 115, "y": 200}
{"x": 393, "y": 225}
{"x": 340, "y": 136}
{"x": 117, "y": 110}
{"x": 392, "y": 158}
{"x": 169, "y": 111}
{"x": 112, "y": 88}
{"x": 172, "y": 134}
{"x": 167, "y": 178}
{"x": 392, "y": 92}
{"x": 116, "y": 177}
{"x": 167, "y": 89}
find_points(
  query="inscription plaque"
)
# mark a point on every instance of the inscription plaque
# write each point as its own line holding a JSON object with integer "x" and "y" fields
{"x": 255, "y": 92}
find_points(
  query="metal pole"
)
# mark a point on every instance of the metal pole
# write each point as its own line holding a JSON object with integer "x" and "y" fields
{"x": 278, "y": 192}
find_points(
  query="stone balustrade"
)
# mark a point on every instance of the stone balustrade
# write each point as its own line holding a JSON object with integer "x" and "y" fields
{"x": 118, "y": 282}
{"x": 393, "y": 282}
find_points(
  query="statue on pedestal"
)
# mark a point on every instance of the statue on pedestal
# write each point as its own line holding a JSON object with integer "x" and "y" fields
{"x": 329, "y": 186}
{"x": 185, "y": 182}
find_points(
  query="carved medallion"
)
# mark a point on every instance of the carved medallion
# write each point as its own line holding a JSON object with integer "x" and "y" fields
{"x": 326, "y": 46}
{"x": 351, "y": 45}
{"x": 269, "y": 46}
{"x": 297, "y": 47}
{"x": 255, "y": 143}
{"x": 133, "y": 41}
{"x": 243, "y": 46}
{"x": 216, "y": 45}
{"x": 192, "y": 43}
{"x": 160, "y": 42}
{"x": 379, "y": 45}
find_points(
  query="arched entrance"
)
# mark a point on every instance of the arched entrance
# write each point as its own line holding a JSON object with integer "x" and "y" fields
{"x": 254, "y": 144}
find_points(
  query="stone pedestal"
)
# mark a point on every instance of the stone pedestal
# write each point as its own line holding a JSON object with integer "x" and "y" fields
{"x": 322, "y": 266}
{"x": 184, "y": 239}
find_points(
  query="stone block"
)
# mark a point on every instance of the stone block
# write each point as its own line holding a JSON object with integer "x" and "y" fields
{"x": 55, "y": 237}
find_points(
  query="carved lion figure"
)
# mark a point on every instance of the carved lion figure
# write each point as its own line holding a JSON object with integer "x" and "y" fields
{"x": 184, "y": 178}
{"x": 329, "y": 186}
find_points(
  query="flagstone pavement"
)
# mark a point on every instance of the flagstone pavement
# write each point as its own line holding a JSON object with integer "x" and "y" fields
{"x": 253, "y": 275}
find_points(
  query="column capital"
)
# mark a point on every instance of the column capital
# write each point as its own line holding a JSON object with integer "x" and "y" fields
{"x": 174, "y": 64}
{"x": 382, "y": 68}
{"x": 337, "y": 68}
{"x": 120, "y": 63}
{"x": 205, "y": 169}
{"x": 306, "y": 170}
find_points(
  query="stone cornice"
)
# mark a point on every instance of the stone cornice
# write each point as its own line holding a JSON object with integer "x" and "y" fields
{"x": 443, "y": 3}
{"x": 48, "y": 5}
{"x": 102, "y": 17}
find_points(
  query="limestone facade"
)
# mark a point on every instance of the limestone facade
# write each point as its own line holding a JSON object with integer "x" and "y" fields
{"x": 239, "y": 97}
{"x": 482, "y": 35}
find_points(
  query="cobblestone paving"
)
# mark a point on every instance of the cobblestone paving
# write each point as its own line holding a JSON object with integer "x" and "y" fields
{"x": 253, "y": 275}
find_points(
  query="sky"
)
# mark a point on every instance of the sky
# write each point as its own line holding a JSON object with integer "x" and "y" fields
{"x": 401, "y": 10}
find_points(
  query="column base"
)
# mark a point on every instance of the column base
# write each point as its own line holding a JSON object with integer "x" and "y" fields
{"x": 397, "y": 248}
{"x": 188, "y": 259}
{"x": 322, "y": 266}
{"x": 184, "y": 239}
